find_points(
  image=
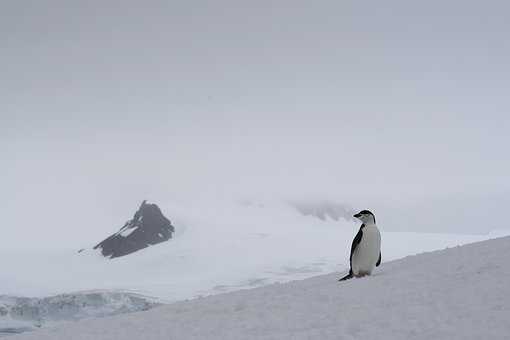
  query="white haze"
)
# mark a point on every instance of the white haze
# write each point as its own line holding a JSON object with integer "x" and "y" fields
{"x": 399, "y": 108}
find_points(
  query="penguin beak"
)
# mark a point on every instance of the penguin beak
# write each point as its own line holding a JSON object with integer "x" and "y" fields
{"x": 358, "y": 215}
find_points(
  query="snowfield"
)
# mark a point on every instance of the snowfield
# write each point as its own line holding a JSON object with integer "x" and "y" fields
{"x": 456, "y": 293}
{"x": 217, "y": 248}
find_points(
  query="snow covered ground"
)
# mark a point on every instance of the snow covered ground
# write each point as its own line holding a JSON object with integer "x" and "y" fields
{"x": 456, "y": 293}
{"x": 218, "y": 248}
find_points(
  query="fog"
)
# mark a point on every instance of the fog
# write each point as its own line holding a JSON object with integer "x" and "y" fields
{"x": 401, "y": 108}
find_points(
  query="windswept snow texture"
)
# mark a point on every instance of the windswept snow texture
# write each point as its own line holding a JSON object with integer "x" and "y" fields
{"x": 457, "y": 293}
{"x": 148, "y": 227}
{"x": 20, "y": 314}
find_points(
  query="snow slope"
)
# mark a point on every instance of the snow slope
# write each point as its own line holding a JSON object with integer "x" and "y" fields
{"x": 457, "y": 293}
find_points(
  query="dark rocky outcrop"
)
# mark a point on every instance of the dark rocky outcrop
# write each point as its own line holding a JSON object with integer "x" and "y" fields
{"x": 149, "y": 226}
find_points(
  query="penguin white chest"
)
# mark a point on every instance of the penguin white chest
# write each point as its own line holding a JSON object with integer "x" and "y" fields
{"x": 366, "y": 254}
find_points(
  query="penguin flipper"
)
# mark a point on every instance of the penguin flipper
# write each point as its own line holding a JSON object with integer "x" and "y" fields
{"x": 378, "y": 261}
{"x": 355, "y": 242}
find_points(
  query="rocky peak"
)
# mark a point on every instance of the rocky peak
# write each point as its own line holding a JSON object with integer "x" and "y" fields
{"x": 147, "y": 227}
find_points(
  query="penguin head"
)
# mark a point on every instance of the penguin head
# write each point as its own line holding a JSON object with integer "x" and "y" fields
{"x": 366, "y": 217}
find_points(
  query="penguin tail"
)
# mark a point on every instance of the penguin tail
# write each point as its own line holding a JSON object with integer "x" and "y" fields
{"x": 347, "y": 277}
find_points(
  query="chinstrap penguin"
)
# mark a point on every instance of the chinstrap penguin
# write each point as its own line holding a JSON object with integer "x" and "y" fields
{"x": 365, "y": 248}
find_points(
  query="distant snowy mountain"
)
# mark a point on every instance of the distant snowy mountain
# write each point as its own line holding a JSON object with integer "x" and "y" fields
{"x": 148, "y": 227}
{"x": 20, "y": 314}
{"x": 324, "y": 210}
{"x": 457, "y": 293}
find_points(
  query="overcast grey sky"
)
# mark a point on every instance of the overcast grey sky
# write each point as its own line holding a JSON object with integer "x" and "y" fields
{"x": 103, "y": 104}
